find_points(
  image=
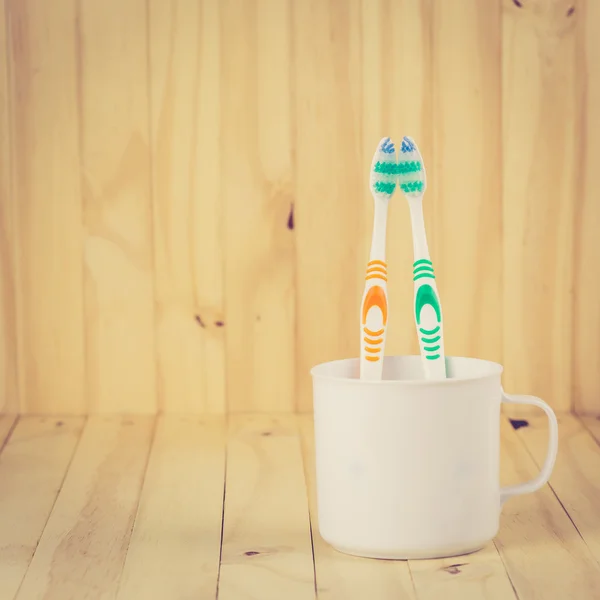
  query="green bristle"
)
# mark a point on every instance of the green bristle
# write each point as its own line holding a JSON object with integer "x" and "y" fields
{"x": 412, "y": 186}
{"x": 385, "y": 188}
{"x": 388, "y": 168}
{"x": 408, "y": 166}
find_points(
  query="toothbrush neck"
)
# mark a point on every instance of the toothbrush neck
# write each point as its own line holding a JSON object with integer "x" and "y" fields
{"x": 379, "y": 230}
{"x": 418, "y": 228}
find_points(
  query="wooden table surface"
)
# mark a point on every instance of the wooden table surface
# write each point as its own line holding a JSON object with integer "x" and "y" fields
{"x": 182, "y": 507}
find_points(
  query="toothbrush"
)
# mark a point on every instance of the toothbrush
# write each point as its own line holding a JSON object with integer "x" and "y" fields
{"x": 428, "y": 310}
{"x": 374, "y": 305}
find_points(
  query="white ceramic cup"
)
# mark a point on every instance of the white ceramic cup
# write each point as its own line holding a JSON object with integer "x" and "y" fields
{"x": 408, "y": 467}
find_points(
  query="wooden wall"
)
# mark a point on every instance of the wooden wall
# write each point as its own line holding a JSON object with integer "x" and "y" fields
{"x": 184, "y": 211}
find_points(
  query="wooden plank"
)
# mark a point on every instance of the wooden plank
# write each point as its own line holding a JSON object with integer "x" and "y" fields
{"x": 330, "y": 184}
{"x": 586, "y": 311}
{"x": 46, "y": 187}
{"x": 340, "y": 576}
{"x": 266, "y": 550}
{"x": 464, "y": 178}
{"x": 576, "y": 475}
{"x": 185, "y": 102}
{"x": 176, "y": 541}
{"x": 540, "y": 166}
{"x": 32, "y": 468}
{"x": 544, "y": 554}
{"x": 82, "y": 550}
{"x": 257, "y": 193}
{"x": 388, "y": 110}
{"x": 119, "y": 283}
{"x": 9, "y": 400}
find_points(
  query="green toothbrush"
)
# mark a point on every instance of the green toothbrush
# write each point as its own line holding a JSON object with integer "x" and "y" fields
{"x": 428, "y": 310}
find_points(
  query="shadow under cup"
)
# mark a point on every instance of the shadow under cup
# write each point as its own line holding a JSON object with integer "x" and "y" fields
{"x": 408, "y": 467}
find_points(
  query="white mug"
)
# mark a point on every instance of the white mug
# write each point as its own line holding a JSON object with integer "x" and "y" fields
{"x": 407, "y": 467}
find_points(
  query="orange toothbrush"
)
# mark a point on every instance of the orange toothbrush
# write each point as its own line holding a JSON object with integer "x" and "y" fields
{"x": 374, "y": 306}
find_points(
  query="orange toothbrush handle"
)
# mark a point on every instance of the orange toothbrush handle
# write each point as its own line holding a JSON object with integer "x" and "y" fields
{"x": 374, "y": 315}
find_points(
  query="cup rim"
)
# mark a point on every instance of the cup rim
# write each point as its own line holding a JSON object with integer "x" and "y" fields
{"x": 497, "y": 369}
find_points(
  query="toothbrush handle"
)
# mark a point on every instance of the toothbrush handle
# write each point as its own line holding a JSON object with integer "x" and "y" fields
{"x": 373, "y": 320}
{"x": 428, "y": 319}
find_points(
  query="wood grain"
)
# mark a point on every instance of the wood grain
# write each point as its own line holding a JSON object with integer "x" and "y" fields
{"x": 576, "y": 475}
{"x": 185, "y": 76}
{"x": 176, "y": 542}
{"x": 331, "y": 192}
{"x": 544, "y": 553}
{"x": 548, "y": 540}
{"x": 477, "y": 576}
{"x": 266, "y": 551}
{"x": 185, "y": 217}
{"x": 82, "y": 550}
{"x": 32, "y": 469}
{"x": 586, "y": 310}
{"x": 540, "y": 129}
{"x": 257, "y": 193}
{"x": 119, "y": 288}
{"x": 47, "y": 194}
{"x": 341, "y": 576}
{"x": 464, "y": 178}
{"x": 387, "y": 72}
{"x": 9, "y": 400}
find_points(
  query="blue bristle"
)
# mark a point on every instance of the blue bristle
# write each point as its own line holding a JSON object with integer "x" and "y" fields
{"x": 407, "y": 145}
{"x": 387, "y": 146}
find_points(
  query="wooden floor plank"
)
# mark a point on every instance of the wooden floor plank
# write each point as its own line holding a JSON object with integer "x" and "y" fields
{"x": 340, "y": 576}
{"x": 176, "y": 541}
{"x": 32, "y": 468}
{"x": 544, "y": 554}
{"x": 576, "y": 475}
{"x": 266, "y": 550}
{"x": 83, "y": 547}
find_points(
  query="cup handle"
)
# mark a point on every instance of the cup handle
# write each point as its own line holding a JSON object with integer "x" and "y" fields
{"x": 543, "y": 476}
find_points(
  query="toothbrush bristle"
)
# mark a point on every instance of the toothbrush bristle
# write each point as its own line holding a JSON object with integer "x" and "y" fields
{"x": 409, "y": 166}
{"x": 407, "y": 145}
{"x": 383, "y": 179}
{"x": 387, "y": 146}
{"x": 412, "y": 186}
{"x": 410, "y": 169}
{"x": 387, "y": 168}
{"x": 384, "y": 188}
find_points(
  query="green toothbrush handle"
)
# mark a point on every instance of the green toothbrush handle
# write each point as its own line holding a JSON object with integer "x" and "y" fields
{"x": 428, "y": 320}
